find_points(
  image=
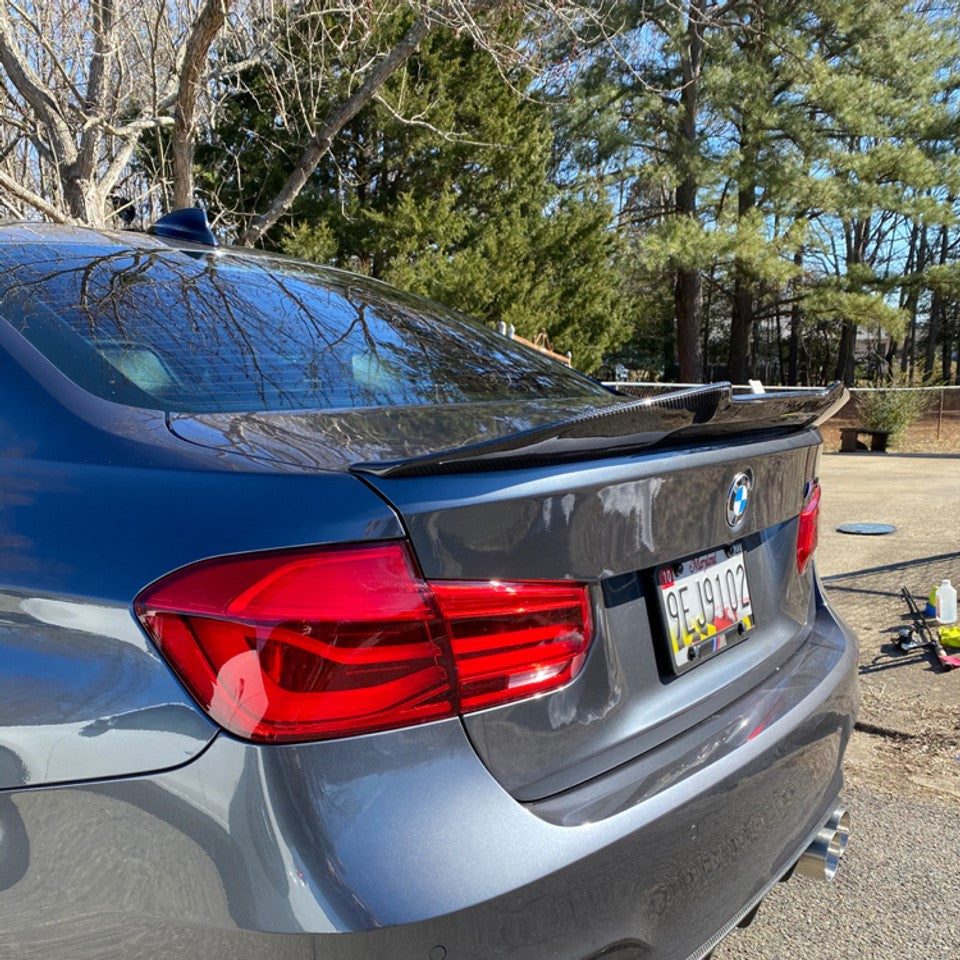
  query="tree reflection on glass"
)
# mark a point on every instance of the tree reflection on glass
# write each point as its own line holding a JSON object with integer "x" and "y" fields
{"x": 189, "y": 331}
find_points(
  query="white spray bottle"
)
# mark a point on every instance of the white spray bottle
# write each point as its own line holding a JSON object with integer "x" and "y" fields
{"x": 947, "y": 602}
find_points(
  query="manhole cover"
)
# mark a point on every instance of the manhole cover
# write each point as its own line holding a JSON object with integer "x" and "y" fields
{"x": 866, "y": 529}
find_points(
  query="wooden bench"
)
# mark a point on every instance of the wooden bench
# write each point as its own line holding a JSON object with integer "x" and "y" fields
{"x": 849, "y": 435}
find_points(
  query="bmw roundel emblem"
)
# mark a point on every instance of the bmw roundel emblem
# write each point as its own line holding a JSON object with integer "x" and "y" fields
{"x": 737, "y": 499}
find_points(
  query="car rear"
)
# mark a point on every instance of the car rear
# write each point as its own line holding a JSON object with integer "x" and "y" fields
{"x": 492, "y": 662}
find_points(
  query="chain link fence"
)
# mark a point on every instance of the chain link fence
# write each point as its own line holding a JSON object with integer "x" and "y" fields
{"x": 942, "y": 406}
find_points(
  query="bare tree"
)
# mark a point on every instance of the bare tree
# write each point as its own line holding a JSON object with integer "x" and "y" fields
{"x": 83, "y": 86}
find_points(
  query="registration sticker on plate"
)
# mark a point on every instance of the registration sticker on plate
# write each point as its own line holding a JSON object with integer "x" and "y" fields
{"x": 705, "y": 603}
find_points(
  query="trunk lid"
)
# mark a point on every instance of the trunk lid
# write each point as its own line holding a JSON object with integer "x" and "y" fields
{"x": 613, "y": 523}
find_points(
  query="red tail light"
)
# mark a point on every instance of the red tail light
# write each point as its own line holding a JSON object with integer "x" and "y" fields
{"x": 310, "y": 644}
{"x": 512, "y": 640}
{"x": 807, "y": 527}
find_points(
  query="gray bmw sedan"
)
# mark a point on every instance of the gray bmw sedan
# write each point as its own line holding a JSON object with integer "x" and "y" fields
{"x": 334, "y": 625}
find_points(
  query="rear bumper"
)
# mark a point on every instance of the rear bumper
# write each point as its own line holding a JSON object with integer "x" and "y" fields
{"x": 401, "y": 846}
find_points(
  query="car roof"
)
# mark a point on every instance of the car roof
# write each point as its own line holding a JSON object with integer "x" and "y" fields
{"x": 27, "y": 231}
{"x": 54, "y": 233}
{"x": 20, "y": 232}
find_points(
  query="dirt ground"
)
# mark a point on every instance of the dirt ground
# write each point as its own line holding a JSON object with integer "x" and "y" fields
{"x": 895, "y": 895}
{"x": 910, "y": 707}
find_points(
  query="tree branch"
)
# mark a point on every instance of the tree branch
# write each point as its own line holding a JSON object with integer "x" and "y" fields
{"x": 202, "y": 34}
{"x": 15, "y": 189}
{"x": 137, "y": 126}
{"x": 449, "y": 136}
{"x": 335, "y": 121}
{"x": 44, "y": 41}
{"x": 117, "y": 165}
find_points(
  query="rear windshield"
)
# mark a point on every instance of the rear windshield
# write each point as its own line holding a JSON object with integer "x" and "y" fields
{"x": 209, "y": 332}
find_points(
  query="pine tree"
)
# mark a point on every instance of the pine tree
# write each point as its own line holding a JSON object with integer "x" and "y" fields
{"x": 821, "y": 133}
{"x": 641, "y": 126}
{"x": 879, "y": 86}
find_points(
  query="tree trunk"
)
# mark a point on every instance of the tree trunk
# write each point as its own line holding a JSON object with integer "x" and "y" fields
{"x": 910, "y": 297}
{"x": 83, "y": 200}
{"x": 688, "y": 298}
{"x": 845, "y": 369}
{"x": 688, "y": 291}
{"x": 778, "y": 329}
{"x": 796, "y": 317}
{"x": 890, "y": 360}
{"x": 855, "y": 235}
{"x": 741, "y": 326}
{"x": 948, "y": 337}
{"x": 705, "y": 321}
{"x": 205, "y": 28}
{"x": 936, "y": 309}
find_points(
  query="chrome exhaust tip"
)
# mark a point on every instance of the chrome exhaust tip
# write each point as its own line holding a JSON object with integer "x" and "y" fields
{"x": 821, "y": 859}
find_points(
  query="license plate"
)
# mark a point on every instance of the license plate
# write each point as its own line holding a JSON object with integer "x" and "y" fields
{"x": 705, "y": 603}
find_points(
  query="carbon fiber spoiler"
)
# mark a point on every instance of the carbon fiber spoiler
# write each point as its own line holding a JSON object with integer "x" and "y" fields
{"x": 711, "y": 411}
